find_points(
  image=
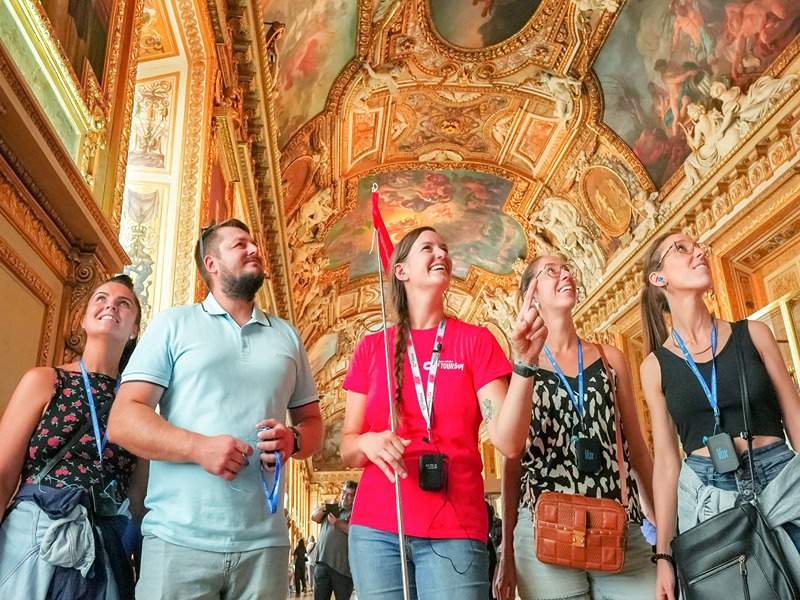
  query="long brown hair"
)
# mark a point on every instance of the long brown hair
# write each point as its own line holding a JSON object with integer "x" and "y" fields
{"x": 653, "y": 302}
{"x": 400, "y": 306}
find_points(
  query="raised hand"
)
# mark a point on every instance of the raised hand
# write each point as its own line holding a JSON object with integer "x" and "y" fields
{"x": 385, "y": 449}
{"x": 530, "y": 332}
{"x": 222, "y": 455}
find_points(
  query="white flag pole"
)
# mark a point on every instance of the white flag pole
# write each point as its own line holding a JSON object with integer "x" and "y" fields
{"x": 392, "y": 425}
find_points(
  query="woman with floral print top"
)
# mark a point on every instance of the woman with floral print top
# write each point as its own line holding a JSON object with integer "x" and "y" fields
{"x": 47, "y": 410}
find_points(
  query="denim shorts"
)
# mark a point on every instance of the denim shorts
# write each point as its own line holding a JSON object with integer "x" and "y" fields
{"x": 768, "y": 462}
{"x": 438, "y": 569}
{"x": 540, "y": 581}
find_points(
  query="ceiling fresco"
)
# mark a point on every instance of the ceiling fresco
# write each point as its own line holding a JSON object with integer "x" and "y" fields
{"x": 562, "y": 128}
{"x": 317, "y": 42}
{"x": 481, "y": 23}
{"x": 662, "y": 56}
{"x": 464, "y": 206}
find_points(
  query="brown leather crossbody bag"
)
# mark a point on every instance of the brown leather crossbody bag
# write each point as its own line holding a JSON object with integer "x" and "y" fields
{"x": 580, "y": 532}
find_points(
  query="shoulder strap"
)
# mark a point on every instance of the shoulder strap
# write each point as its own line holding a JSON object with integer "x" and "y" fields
{"x": 104, "y": 410}
{"x": 738, "y": 333}
{"x": 623, "y": 469}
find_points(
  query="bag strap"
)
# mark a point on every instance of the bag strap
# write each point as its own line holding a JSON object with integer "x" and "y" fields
{"x": 623, "y": 469}
{"x": 737, "y": 331}
{"x": 50, "y": 464}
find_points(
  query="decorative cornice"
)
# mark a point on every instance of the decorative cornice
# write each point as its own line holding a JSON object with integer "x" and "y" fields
{"x": 78, "y": 185}
{"x": 17, "y": 205}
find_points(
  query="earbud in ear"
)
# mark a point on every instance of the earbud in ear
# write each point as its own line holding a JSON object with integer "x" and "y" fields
{"x": 660, "y": 279}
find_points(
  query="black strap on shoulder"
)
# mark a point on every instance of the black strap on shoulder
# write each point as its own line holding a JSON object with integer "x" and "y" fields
{"x": 45, "y": 471}
{"x": 738, "y": 330}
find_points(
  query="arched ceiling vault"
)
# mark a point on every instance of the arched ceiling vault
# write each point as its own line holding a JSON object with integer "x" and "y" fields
{"x": 485, "y": 125}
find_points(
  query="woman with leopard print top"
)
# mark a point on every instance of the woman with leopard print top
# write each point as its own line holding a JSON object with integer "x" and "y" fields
{"x": 571, "y": 399}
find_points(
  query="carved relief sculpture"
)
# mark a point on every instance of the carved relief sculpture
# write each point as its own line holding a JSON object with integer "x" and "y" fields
{"x": 151, "y": 121}
{"x": 560, "y": 219}
{"x": 561, "y": 90}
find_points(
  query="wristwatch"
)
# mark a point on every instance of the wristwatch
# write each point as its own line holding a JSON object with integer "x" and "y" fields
{"x": 296, "y": 442}
{"x": 524, "y": 369}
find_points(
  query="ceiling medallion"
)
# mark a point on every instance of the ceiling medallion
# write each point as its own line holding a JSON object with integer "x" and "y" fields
{"x": 607, "y": 199}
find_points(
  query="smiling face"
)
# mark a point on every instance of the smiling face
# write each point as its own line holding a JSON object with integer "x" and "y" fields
{"x": 683, "y": 266}
{"x": 428, "y": 264}
{"x": 555, "y": 287}
{"x": 112, "y": 312}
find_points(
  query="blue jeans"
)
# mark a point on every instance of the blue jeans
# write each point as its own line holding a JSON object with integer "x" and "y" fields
{"x": 768, "y": 462}
{"x": 437, "y": 569}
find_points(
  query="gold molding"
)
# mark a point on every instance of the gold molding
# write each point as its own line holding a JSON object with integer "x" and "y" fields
{"x": 25, "y": 273}
{"x": 124, "y": 127}
{"x": 77, "y": 183}
{"x": 195, "y": 128}
{"x": 17, "y": 204}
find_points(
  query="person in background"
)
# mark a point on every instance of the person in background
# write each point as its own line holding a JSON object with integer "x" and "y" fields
{"x": 300, "y": 558}
{"x": 311, "y": 553}
{"x": 332, "y": 568}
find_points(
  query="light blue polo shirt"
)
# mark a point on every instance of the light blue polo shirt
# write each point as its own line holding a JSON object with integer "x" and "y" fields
{"x": 219, "y": 378}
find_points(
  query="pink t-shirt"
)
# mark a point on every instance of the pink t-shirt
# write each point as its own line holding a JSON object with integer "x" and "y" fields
{"x": 470, "y": 358}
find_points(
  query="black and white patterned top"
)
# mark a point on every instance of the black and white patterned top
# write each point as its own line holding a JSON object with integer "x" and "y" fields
{"x": 548, "y": 463}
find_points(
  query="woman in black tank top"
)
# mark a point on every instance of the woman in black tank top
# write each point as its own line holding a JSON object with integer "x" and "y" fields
{"x": 678, "y": 379}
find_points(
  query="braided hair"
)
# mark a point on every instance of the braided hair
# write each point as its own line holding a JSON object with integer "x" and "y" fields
{"x": 400, "y": 306}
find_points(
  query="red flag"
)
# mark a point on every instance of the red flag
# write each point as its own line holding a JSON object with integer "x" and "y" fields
{"x": 385, "y": 246}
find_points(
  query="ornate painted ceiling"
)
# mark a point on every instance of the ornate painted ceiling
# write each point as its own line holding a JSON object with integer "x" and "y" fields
{"x": 514, "y": 127}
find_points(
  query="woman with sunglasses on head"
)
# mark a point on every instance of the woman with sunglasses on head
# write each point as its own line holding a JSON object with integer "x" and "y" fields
{"x": 691, "y": 369}
{"x": 64, "y": 491}
{"x": 448, "y": 376}
{"x": 573, "y": 410}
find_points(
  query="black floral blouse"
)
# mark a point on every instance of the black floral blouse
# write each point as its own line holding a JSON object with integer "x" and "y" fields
{"x": 67, "y": 412}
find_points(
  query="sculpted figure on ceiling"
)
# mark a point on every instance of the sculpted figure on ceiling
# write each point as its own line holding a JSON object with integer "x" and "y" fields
{"x": 500, "y": 307}
{"x": 598, "y": 5}
{"x": 374, "y": 79}
{"x": 745, "y": 110}
{"x": 714, "y": 132}
{"x": 562, "y": 90}
{"x": 560, "y": 220}
{"x": 311, "y": 216}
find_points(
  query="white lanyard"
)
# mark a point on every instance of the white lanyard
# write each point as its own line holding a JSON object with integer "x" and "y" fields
{"x": 425, "y": 398}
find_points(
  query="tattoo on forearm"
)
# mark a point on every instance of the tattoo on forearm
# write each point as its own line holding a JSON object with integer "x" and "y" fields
{"x": 486, "y": 409}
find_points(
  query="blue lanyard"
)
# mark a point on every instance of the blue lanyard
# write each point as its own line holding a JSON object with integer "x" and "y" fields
{"x": 272, "y": 494}
{"x": 99, "y": 439}
{"x": 579, "y": 402}
{"x": 711, "y": 394}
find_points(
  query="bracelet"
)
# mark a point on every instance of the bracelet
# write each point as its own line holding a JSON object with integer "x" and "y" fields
{"x": 663, "y": 556}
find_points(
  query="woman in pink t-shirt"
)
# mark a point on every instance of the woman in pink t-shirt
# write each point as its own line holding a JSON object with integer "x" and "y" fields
{"x": 448, "y": 375}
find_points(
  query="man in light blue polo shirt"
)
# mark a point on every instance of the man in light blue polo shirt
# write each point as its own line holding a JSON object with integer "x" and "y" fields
{"x": 217, "y": 371}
